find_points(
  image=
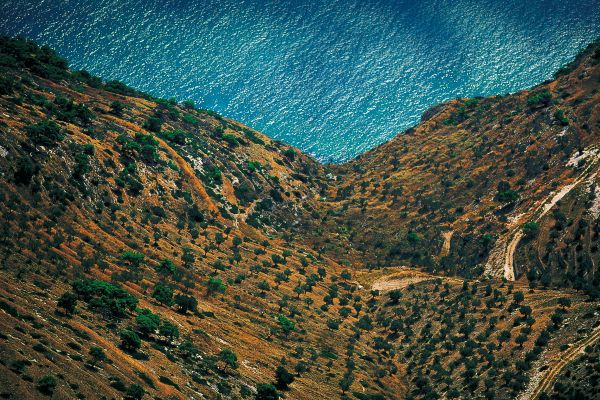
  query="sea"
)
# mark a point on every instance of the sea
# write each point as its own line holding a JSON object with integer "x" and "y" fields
{"x": 334, "y": 78}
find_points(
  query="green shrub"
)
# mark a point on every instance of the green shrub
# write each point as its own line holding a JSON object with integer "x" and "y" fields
{"x": 168, "y": 330}
{"x": 26, "y": 170}
{"x": 505, "y": 194}
{"x": 214, "y": 285}
{"x": 229, "y": 358}
{"x": 560, "y": 117}
{"x": 45, "y": 133}
{"x": 266, "y": 391}
{"x": 68, "y": 302}
{"x": 7, "y": 85}
{"x": 97, "y": 354}
{"x": 286, "y": 325}
{"x": 120, "y": 88}
{"x": 283, "y": 378}
{"x": 117, "y": 108}
{"x": 177, "y": 136}
{"x": 231, "y": 140}
{"x": 47, "y": 384}
{"x": 135, "y": 391}
{"x": 531, "y": 229}
{"x": 163, "y": 294}
{"x": 66, "y": 110}
{"x": 186, "y": 303}
{"x": 105, "y": 297}
{"x": 147, "y": 322}
{"x": 130, "y": 341}
{"x": 542, "y": 98}
{"x": 153, "y": 124}
{"x": 40, "y": 60}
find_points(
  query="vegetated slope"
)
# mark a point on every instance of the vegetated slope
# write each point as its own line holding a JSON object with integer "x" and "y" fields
{"x": 472, "y": 170}
{"x": 148, "y": 246}
{"x": 179, "y": 209}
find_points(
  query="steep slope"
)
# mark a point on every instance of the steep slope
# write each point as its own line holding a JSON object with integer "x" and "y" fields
{"x": 101, "y": 182}
{"x": 151, "y": 247}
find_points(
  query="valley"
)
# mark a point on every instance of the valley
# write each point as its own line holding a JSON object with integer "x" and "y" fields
{"x": 151, "y": 249}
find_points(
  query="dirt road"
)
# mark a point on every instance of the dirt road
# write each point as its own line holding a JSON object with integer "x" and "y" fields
{"x": 501, "y": 260}
{"x": 561, "y": 361}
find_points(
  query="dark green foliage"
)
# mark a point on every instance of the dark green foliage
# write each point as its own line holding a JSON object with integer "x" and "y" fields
{"x": 163, "y": 294}
{"x": 229, "y": 358}
{"x": 26, "y": 170}
{"x": 505, "y": 194}
{"x": 283, "y": 378}
{"x": 168, "y": 330}
{"x": 531, "y": 229}
{"x": 560, "y": 117}
{"x": 214, "y": 285}
{"x": 45, "y": 133}
{"x": 40, "y": 60}
{"x": 188, "y": 349}
{"x": 133, "y": 259}
{"x": 129, "y": 178}
{"x": 121, "y": 88}
{"x": 542, "y": 98}
{"x": 130, "y": 341}
{"x": 47, "y": 384}
{"x": 147, "y": 322}
{"x": 266, "y": 391}
{"x": 148, "y": 147}
{"x": 66, "y": 110}
{"x": 117, "y": 108}
{"x": 346, "y": 381}
{"x": 214, "y": 175}
{"x": 186, "y": 303}
{"x": 178, "y": 136}
{"x": 87, "y": 78}
{"x": 231, "y": 140}
{"x": 135, "y": 391}
{"x": 153, "y": 124}
{"x": 166, "y": 267}
{"x": 105, "y": 297}
{"x": 290, "y": 154}
{"x": 68, "y": 302}
{"x": 7, "y": 85}
{"x": 82, "y": 165}
{"x": 287, "y": 326}
{"x": 195, "y": 214}
{"x": 97, "y": 354}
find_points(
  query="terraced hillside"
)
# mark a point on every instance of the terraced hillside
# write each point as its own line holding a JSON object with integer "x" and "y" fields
{"x": 150, "y": 249}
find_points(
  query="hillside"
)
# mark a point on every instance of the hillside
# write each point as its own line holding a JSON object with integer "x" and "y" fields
{"x": 154, "y": 250}
{"x": 452, "y": 191}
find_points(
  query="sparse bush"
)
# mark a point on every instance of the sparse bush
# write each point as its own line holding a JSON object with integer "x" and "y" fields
{"x": 229, "y": 358}
{"x": 68, "y": 302}
{"x": 135, "y": 392}
{"x": 47, "y": 384}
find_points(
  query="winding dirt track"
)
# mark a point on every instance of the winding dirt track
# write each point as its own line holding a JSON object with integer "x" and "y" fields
{"x": 501, "y": 258}
{"x": 562, "y": 361}
{"x": 406, "y": 276}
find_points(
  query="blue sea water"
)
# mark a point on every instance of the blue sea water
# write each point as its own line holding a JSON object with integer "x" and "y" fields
{"x": 334, "y": 78}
